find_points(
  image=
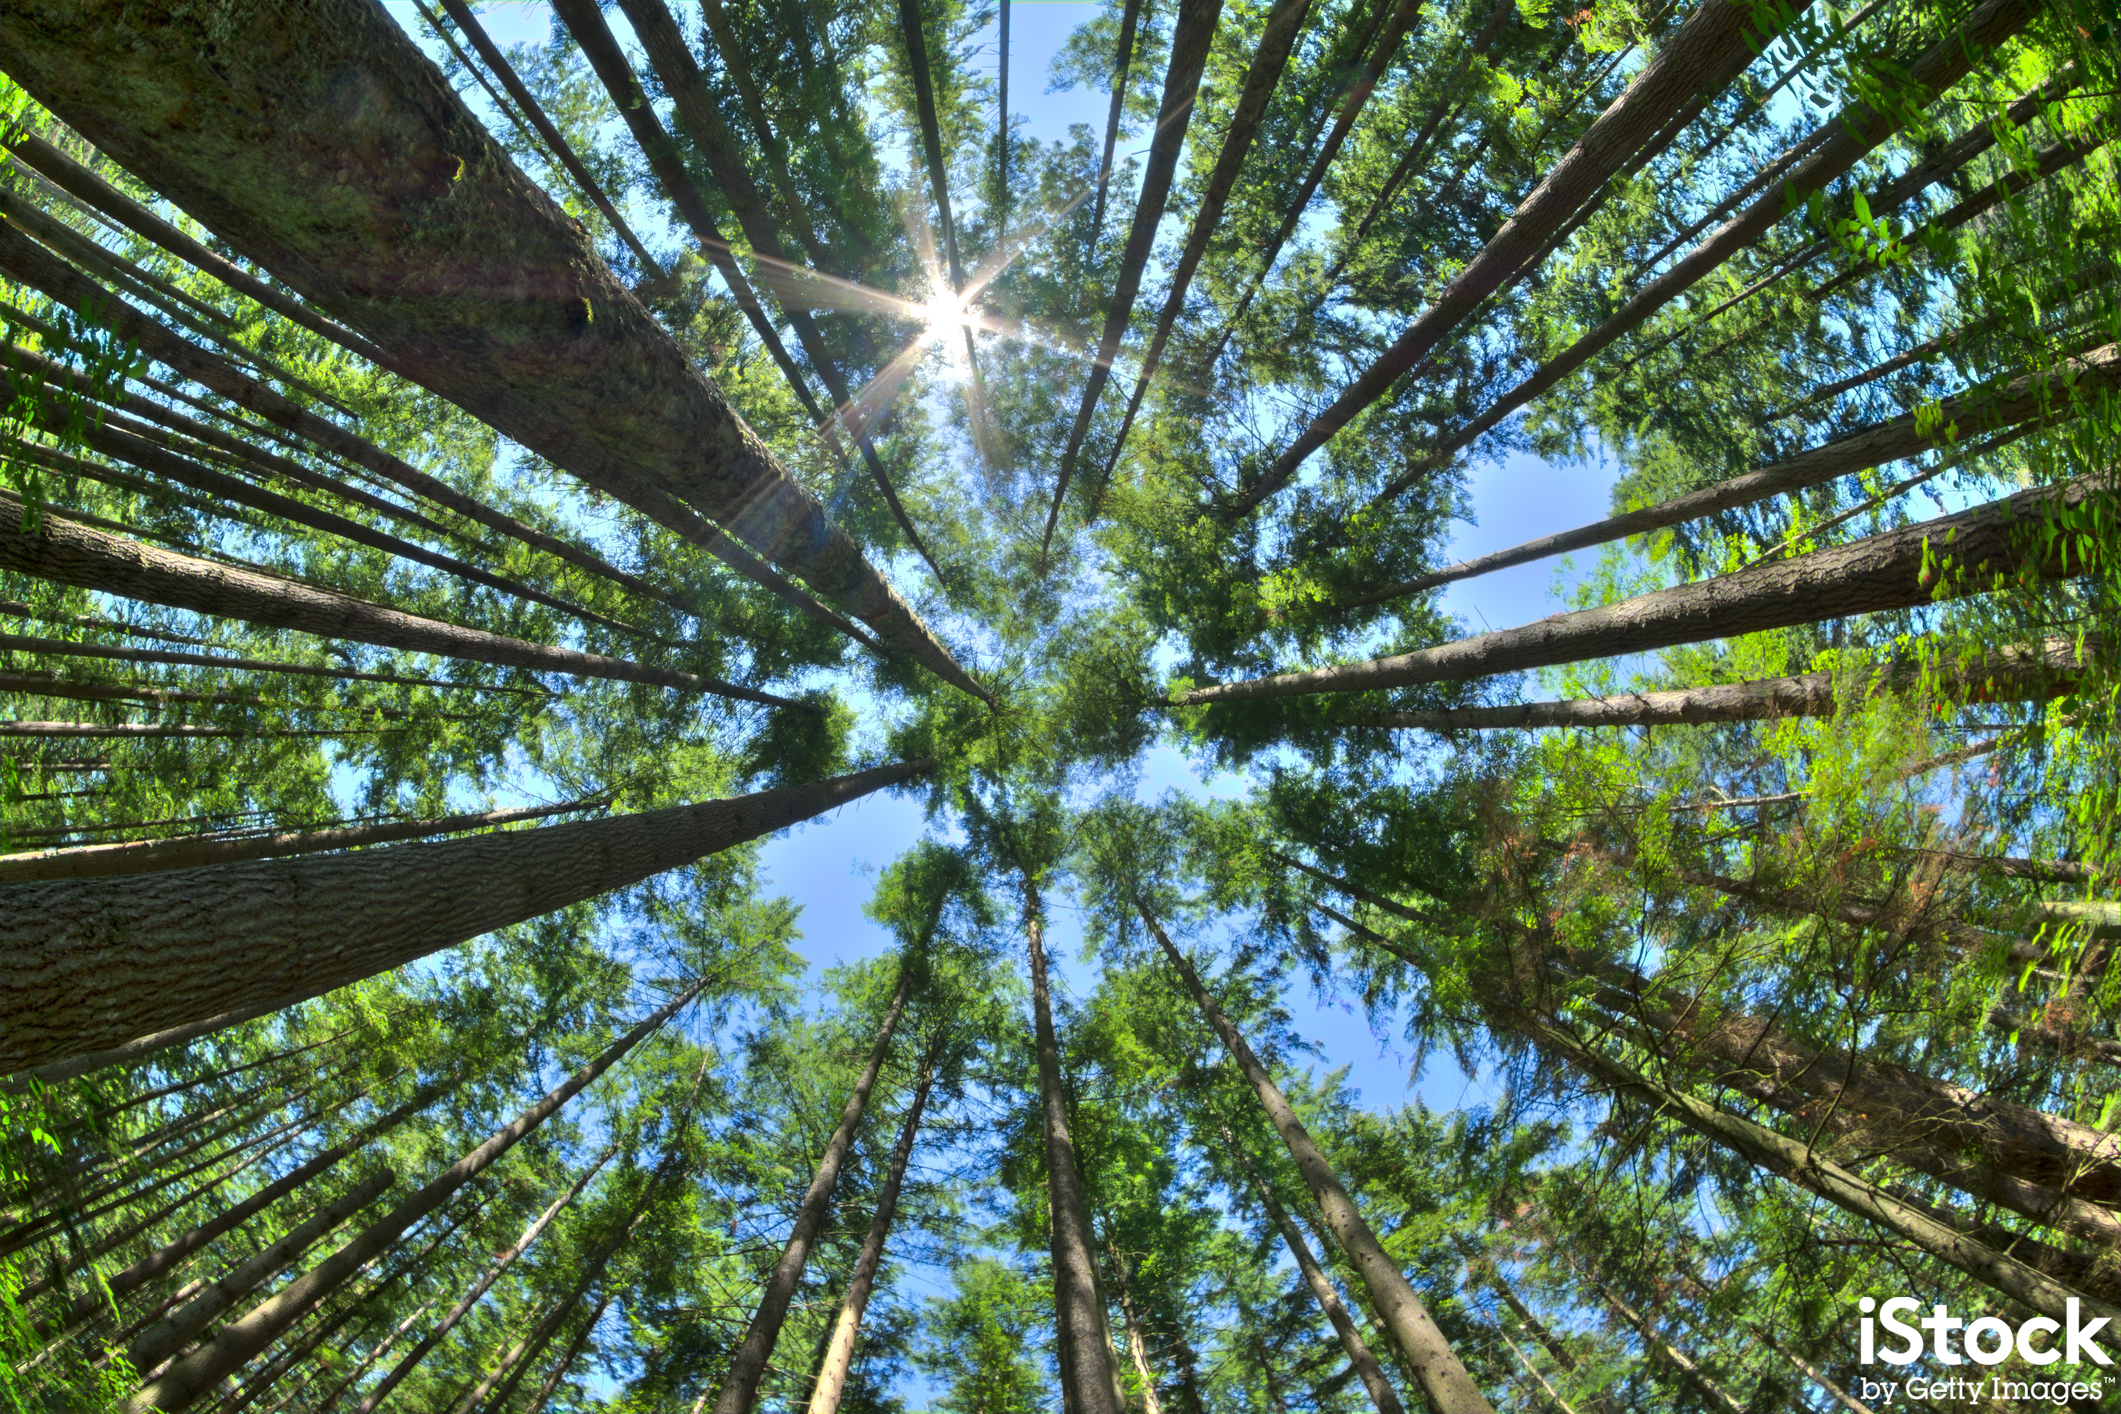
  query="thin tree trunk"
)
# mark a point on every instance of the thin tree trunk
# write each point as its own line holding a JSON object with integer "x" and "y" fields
{"x": 151, "y": 856}
{"x": 1192, "y": 37}
{"x": 573, "y": 1353}
{"x": 1367, "y": 1369}
{"x": 65, "y": 552}
{"x": 368, "y": 1361}
{"x": 1421, "y": 1345}
{"x": 2033, "y": 398}
{"x": 740, "y": 1383}
{"x": 138, "y": 730}
{"x": 240, "y": 1339}
{"x": 1715, "y": 1395}
{"x": 1277, "y": 40}
{"x": 1813, "y": 1373}
{"x": 2072, "y": 1045}
{"x": 136, "y": 1049}
{"x": 1122, "y": 66}
{"x": 1137, "y": 1348}
{"x": 1089, "y": 1368}
{"x": 915, "y": 37}
{"x": 1552, "y": 1394}
{"x": 74, "y": 690}
{"x": 173, "y": 1332}
{"x": 501, "y": 1263}
{"x": 1001, "y": 150}
{"x": 76, "y": 973}
{"x": 839, "y": 1348}
{"x": 65, "y": 648}
{"x": 1711, "y": 47}
{"x": 585, "y": 379}
{"x": 1901, "y": 569}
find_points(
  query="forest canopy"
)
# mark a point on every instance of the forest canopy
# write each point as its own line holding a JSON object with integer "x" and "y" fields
{"x": 475, "y": 474}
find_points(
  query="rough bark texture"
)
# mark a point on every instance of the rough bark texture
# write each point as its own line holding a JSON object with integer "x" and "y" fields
{"x": 740, "y": 1384}
{"x": 1711, "y": 48}
{"x": 2020, "y": 678}
{"x": 1992, "y": 545}
{"x": 150, "y": 856}
{"x": 235, "y": 1343}
{"x": 1367, "y": 1369}
{"x": 1190, "y": 41}
{"x": 89, "y": 963}
{"x": 315, "y": 138}
{"x": 839, "y": 1348}
{"x": 1089, "y": 1367}
{"x": 64, "y": 552}
{"x": 1421, "y": 1345}
{"x": 2032, "y": 398}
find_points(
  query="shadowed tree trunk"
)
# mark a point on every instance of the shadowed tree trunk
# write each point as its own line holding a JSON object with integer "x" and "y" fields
{"x": 1122, "y": 67}
{"x": 568, "y": 1357}
{"x": 1192, "y": 36}
{"x": 526, "y": 327}
{"x": 150, "y": 856}
{"x": 1711, "y": 48}
{"x": 1901, "y": 569}
{"x": 1089, "y": 1368}
{"x": 504, "y": 1259}
{"x": 740, "y": 1384}
{"x": 60, "y": 551}
{"x": 1421, "y": 1345}
{"x": 236, "y": 1342}
{"x": 839, "y": 1348}
{"x": 1367, "y": 1369}
{"x": 88, "y": 962}
{"x": 105, "y": 652}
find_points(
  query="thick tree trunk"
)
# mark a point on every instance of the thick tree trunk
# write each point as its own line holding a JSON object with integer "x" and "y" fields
{"x": 236, "y": 1342}
{"x": 1805, "y": 1166}
{"x": 173, "y": 1332}
{"x": 525, "y": 327}
{"x": 64, "y": 552}
{"x": 152, "y": 856}
{"x": 1711, "y": 48}
{"x": 2030, "y": 400}
{"x": 2020, "y": 677}
{"x": 740, "y": 1384}
{"x": 1088, "y": 1365}
{"x": 504, "y": 1259}
{"x": 839, "y": 1348}
{"x": 88, "y": 962}
{"x": 1191, "y": 38}
{"x": 1277, "y": 40}
{"x": 1420, "y": 1344}
{"x": 1902, "y": 569}
{"x": 1367, "y": 1369}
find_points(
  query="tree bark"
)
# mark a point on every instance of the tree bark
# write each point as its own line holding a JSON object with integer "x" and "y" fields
{"x": 65, "y": 648}
{"x": 525, "y": 328}
{"x": 89, "y": 962}
{"x": 501, "y": 1263}
{"x": 1902, "y": 569}
{"x": 64, "y": 552}
{"x": 1367, "y": 1369}
{"x": 1711, "y": 48}
{"x": 740, "y": 1384}
{"x": 1450, "y": 1389}
{"x": 2034, "y": 399}
{"x": 1089, "y": 1368}
{"x": 240, "y": 1339}
{"x": 572, "y": 1353}
{"x": 1191, "y": 39}
{"x": 1122, "y": 67}
{"x": 152, "y": 856}
{"x": 1714, "y": 1394}
{"x": 839, "y": 1348}
{"x": 1137, "y": 1348}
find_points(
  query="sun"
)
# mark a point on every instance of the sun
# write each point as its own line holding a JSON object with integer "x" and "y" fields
{"x": 944, "y": 312}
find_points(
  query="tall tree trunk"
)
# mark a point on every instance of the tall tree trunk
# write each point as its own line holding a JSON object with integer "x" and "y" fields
{"x": 60, "y": 551}
{"x": 1191, "y": 39}
{"x": 2030, "y": 400}
{"x": 78, "y": 971}
{"x": 173, "y": 1332}
{"x": 1711, "y": 48}
{"x": 2023, "y": 676}
{"x": 380, "y": 1391}
{"x": 839, "y": 1348}
{"x": 1122, "y": 67}
{"x": 1277, "y": 40}
{"x": 65, "y": 648}
{"x": 1421, "y": 1345}
{"x": 583, "y": 377}
{"x": 568, "y": 1357}
{"x": 1137, "y": 1348}
{"x": 1367, "y": 1369}
{"x": 1712, "y": 1393}
{"x": 1901, "y": 569}
{"x": 237, "y": 1341}
{"x": 1089, "y": 1368}
{"x": 740, "y": 1384}
{"x": 152, "y": 856}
